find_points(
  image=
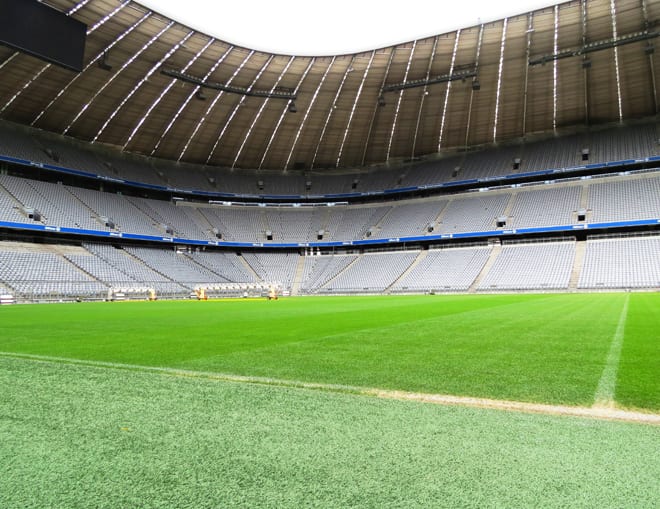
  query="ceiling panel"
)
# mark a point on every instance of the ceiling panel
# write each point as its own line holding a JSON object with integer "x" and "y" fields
{"x": 128, "y": 103}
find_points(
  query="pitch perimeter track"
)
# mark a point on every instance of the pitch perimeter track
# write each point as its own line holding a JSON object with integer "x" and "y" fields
{"x": 610, "y": 412}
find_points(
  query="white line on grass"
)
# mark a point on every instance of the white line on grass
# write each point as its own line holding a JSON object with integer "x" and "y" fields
{"x": 604, "y": 396}
{"x": 439, "y": 399}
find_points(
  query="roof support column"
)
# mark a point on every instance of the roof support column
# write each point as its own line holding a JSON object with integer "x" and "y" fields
{"x": 333, "y": 106}
{"x": 476, "y": 68}
{"x": 650, "y": 57}
{"x": 304, "y": 120}
{"x": 445, "y": 104}
{"x": 616, "y": 60}
{"x": 530, "y": 30}
{"x": 421, "y": 102}
{"x": 585, "y": 67}
{"x": 398, "y": 102}
{"x": 376, "y": 106}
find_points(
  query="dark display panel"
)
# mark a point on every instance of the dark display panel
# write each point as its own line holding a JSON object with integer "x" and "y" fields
{"x": 41, "y": 31}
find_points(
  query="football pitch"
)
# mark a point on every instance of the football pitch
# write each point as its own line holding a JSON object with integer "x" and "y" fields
{"x": 328, "y": 402}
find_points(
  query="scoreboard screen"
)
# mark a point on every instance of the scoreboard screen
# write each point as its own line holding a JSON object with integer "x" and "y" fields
{"x": 39, "y": 30}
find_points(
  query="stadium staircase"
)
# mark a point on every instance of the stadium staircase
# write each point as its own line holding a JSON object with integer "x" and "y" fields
{"x": 374, "y": 229}
{"x": 191, "y": 260}
{"x": 441, "y": 214}
{"x": 142, "y": 262}
{"x": 578, "y": 263}
{"x": 249, "y": 268}
{"x": 345, "y": 269}
{"x": 59, "y": 250}
{"x": 83, "y": 205}
{"x": 494, "y": 253}
{"x": 201, "y": 220}
{"x": 297, "y": 279}
{"x": 19, "y": 204}
{"x": 65, "y": 251}
{"x": 584, "y": 197}
{"x": 422, "y": 254}
{"x": 509, "y": 206}
{"x": 156, "y": 222}
{"x": 264, "y": 226}
{"x": 25, "y": 247}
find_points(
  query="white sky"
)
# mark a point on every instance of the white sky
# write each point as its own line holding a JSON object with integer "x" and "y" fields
{"x": 335, "y": 27}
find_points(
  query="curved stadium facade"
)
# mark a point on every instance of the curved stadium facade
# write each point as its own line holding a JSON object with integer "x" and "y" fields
{"x": 520, "y": 155}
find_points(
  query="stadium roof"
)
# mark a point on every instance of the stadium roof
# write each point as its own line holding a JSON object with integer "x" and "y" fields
{"x": 154, "y": 86}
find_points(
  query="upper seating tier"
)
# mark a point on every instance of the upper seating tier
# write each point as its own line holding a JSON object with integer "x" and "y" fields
{"x": 600, "y": 145}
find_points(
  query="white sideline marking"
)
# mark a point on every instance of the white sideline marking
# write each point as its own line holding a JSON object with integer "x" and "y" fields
{"x": 604, "y": 396}
{"x": 441, "y": 399}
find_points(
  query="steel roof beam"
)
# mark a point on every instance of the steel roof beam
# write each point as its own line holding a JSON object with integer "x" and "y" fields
{"x": 357, "y": 98}
{"x": 423, "y": 97}
{"x": 446, "y": 102}
{"x": 304, "y": 120}
{"x": 274, "y": 93}
{"x": 333, "y": 106}
{"x": 459, "y": 75}
{"x": 284, "y": 112}
{"x": 163, "y": 93}
{"x": 261, "y": 109}
{"x": 614, "y": 42}
{"x": 238, "y": 106}
{"x": 116, "y": 74}
{"x": 187, "y": 100}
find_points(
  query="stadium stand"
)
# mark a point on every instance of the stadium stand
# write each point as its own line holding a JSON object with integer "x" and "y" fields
{"x": 410, "y": 219}
{"x": 442, "y": 206}
{"x": 538, "y": 266}
{"x": 490, "y": 163}
{"x": 319, "y": 270}
{"x": 617, "y": 198}
{"x": 15, "y": 142}
{"x": 348, "y": 223}
{"x": 139, "y": 274}
{"x": 473, "y": 212}
{"x": 541, "y": 266}
{"x": 234, "y": 223}
{"x": 616, "y": 143}
{"x": 11, "y": 209}
{"x": 116, "y": 211}
{"x": 227, "y": 265}
{"x": 370, "y": 273}
{"x": 174, "y": 266}
{"x": 184, "y": 222}
{"x": 55, "y": 204}
{"x": 625, "y": 198}
{"x": 562, "y": 152}
{"x": 40, "y": 271}
{"x": 626, "y": 262}
{"x": 622, "y": 142}
{"x": 274, "y": 267}
{"x": 452, "y": 269}
{"x": 544, "y": 207}
{"x": 289, "y": 225}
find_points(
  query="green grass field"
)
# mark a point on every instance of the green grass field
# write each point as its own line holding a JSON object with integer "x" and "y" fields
{"x": 86, "y": 422}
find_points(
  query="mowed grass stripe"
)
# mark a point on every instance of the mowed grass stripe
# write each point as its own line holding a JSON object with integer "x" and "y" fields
{"x": 97, "y": 437}
{"x": 538, "y": 351}
{"x": 607, "y": 383}
{"x": 241, "y": 324}
{"x": 532, "y": 348}
{"x": 638, "y": 379}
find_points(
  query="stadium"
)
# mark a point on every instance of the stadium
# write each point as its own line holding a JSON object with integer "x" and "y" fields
{"x": 424, "y": 274}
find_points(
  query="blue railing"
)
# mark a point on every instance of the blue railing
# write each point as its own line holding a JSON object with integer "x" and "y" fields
{"x": 338, "y": 243}
{"x": 333, "y": 196}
